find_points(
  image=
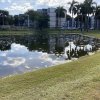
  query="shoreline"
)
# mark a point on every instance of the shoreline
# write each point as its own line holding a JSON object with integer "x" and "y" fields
{"x": 57, "y": 64}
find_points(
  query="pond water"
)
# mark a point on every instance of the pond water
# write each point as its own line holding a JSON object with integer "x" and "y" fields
{"x": 23, "y": 54}
{"x": 19, "y": 59}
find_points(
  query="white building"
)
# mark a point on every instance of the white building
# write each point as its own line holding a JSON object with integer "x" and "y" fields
{"x": 52, "y": 17}
{"x": 61, "y": 22}
{"x": 92, "y": 22}
{"x": 53, "y": 20}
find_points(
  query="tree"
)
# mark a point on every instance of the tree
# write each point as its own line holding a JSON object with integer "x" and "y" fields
{"x": 32, "y": 14}
{"x": 87, "y": 9}
{"x": 42, "y": 20}
{"x": 76, "y": 11}
{"x": 72, "y": 8}
{"x": 60, "y": 13}
{"x": 97, "y": 16}
{"x": 68, "y": 17}
{"x": 10, "y": 20}
{"x": 3, "y": 16}
{"x": 16, "y": 20}
{"x": 21, "y": 19}
{"x": 39, "y": 19}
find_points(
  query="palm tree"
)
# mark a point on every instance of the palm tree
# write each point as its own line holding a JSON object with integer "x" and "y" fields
{"x": 72, "y": 8}
{"x": 60, "y": 13}
{"x": 94, "y": 14}
{"x": 97, "y": 16}
{"x": 88, "y": 9}
{"x": 76, "y": 11}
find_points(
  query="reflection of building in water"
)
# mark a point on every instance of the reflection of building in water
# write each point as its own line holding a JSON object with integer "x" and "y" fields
{"x": 61, "y": 41}
{"x": 52, "y": 44}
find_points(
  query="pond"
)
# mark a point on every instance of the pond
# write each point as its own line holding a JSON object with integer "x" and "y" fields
{"x": 19, "y": 59}
{"x": 23, "y": 54}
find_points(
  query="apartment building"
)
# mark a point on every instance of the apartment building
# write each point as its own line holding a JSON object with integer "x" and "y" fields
{"x": 52, "y": 17}
{"x": 54, "y": 22}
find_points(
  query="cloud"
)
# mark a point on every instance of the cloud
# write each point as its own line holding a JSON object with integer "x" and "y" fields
{"x": 3, "y": 1}
{"x": 14, "y": 62}
{"x": 21, "y": 6}
{"x": 55, "y": 3}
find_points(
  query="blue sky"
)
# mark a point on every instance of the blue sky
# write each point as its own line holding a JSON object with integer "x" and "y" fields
{"x": 21, "y": 6}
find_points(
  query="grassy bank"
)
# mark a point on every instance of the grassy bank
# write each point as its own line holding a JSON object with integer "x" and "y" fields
{"x": 95, "y": 33}
{"x": 17, "y": 32}
{"x": 78, "y": 80}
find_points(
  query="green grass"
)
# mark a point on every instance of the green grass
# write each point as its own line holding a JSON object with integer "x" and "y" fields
{"x": 55, "y": 31}
{"x": 78, "y": 80}
{"x": 95, "y": 33}
{"x": 17, "y": 32}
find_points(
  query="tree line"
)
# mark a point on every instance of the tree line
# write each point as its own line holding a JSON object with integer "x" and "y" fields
{"x": 35, "y": 18}
{"x": 40, "y": 20}
{"x": 82, "y": 11}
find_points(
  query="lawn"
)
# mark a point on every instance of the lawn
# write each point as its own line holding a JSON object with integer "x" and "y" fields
{"x": 19, "y": 32}
{"x": 78, "y": 80}
{"x": 95, "y": 33}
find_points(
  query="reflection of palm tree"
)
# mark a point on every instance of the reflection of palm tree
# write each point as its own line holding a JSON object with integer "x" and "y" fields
{"x": 72, "y": 8}
{"x": 60, "y": 13}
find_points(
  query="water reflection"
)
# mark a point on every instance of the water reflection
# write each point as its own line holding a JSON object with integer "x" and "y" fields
{"x": 19, "y": 54}
{"x": 19, "y": 59}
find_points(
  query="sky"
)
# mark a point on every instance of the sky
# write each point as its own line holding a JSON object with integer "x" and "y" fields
{"x": 20, "y": 6}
